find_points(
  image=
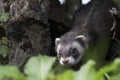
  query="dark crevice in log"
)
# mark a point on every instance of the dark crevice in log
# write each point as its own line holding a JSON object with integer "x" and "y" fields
{"x": 116, "y": 25}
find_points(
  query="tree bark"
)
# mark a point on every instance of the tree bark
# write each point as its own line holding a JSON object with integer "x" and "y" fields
{"x": 116, "y": 25}
{"x": 32, "y": 27}
{"x": 27, "y": 29}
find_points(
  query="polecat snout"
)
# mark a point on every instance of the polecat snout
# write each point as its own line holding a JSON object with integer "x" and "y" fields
{"x": 70, "y": 48}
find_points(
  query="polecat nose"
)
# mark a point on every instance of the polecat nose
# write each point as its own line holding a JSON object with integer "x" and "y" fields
{"x": 65, "y": 61}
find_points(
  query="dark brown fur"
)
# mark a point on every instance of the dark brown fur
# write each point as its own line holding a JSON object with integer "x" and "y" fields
{"x": 92, "y": 20}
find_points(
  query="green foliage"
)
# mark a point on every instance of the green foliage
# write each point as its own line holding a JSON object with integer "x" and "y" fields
{"x": 4, "y": 17}
{"x": 39, "y": 68}
{"x": 87, "y": 72}
{"x": 67, "y": 75}
{"x": 117, "y": 2}
{"x": 10, "y": 73}
{"x": 4, "y": 48}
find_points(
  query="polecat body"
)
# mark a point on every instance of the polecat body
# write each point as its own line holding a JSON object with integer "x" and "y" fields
{"x": 91, "y": 22}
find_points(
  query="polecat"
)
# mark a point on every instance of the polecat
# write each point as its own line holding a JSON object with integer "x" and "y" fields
{"x": 91, "y": 22}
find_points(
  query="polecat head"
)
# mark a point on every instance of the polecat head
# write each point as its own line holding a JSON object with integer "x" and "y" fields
{"x": 70, "y": 51}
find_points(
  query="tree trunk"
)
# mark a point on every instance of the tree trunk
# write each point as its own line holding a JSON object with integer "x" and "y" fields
{"x": 27, "y": 29}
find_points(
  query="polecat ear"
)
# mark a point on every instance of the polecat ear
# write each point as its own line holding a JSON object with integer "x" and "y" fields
{"x": 81, "y": 39}
{"x": 57, "y": 41}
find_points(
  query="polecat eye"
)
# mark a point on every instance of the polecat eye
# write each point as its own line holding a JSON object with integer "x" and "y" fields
{"x": 60, "y": 54}
{"x": 73, "y": 51}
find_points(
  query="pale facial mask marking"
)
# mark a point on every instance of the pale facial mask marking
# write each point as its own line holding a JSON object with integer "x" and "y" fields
{"x": 70, "y": 59}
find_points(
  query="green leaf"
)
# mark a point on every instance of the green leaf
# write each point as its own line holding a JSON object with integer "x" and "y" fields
{"x": 37, "y": 68}
{"x": 115, "y": 77}
{"x": 4, "y": 40}
{"x": 86, "y": 72}
{"x": 4, "y": 50}
{"x": 67, "y": 75}
{"x": 4, "y": 17}
{"x": 10, "y": 72}
{"x": 117, "y": 1}
{"x": 107, "y": 69}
